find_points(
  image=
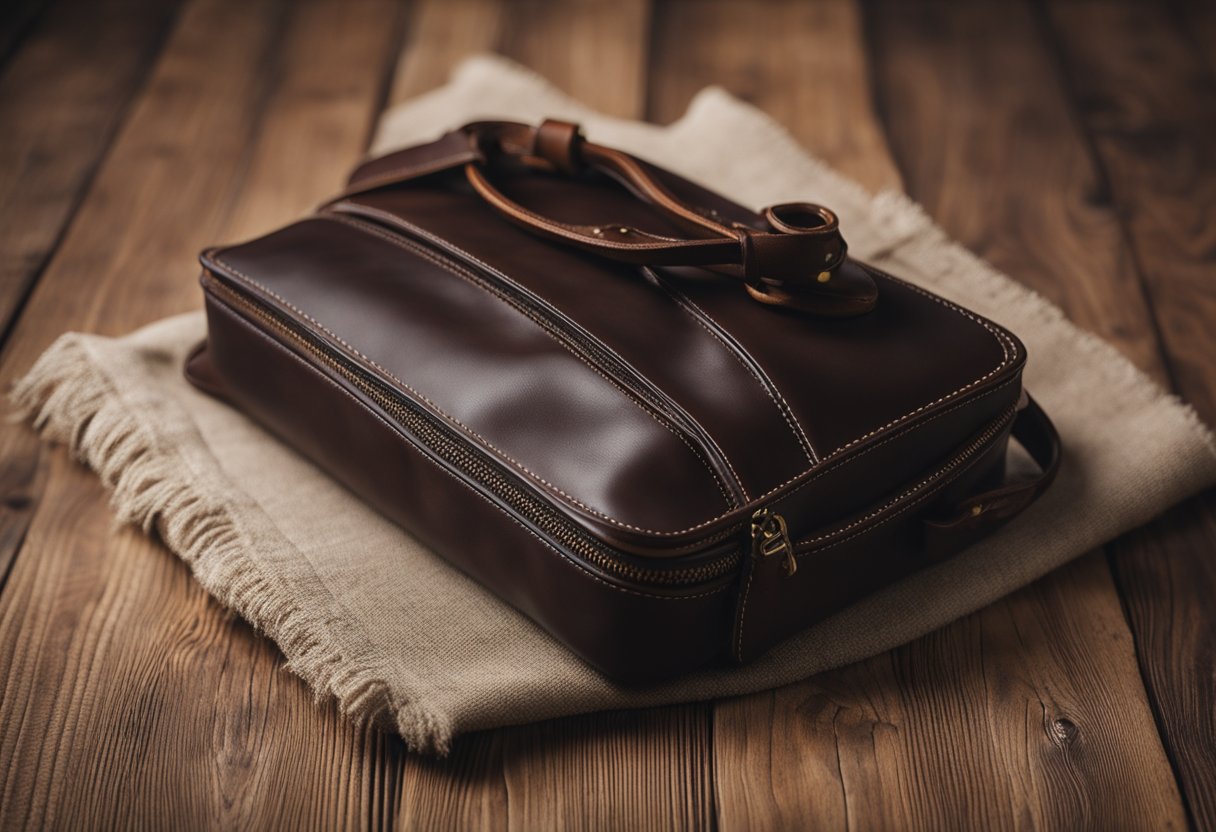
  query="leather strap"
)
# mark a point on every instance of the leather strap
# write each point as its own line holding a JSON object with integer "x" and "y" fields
{"x": 799, "y": 261}
{"x": 980, "y": 513}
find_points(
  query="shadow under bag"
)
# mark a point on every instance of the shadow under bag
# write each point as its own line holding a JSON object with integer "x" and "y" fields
{"x": 670, "y": 430}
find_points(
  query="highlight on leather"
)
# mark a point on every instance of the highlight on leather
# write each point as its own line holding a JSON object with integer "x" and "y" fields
{"x": 668, "y": 464}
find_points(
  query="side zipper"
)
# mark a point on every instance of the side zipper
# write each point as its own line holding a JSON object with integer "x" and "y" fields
{"x": 443, "y": 443}
{"x": 770, "y": 536}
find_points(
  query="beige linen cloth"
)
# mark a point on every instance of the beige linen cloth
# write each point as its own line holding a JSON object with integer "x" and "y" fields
{"x": 364, "y": 613}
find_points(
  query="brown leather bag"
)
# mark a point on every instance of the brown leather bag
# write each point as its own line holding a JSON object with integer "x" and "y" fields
{"x": 670, "y": 430}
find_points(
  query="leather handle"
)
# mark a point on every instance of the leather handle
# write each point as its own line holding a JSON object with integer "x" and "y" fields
{"x": 796, "y": 259}
{"x": 978, "y": 514}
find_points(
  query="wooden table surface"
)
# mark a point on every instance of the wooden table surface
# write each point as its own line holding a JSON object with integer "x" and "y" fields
{"x": 1073, "y": 144}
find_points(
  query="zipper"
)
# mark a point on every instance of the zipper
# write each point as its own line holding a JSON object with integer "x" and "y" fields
{"x": 771, "y": 537}
{"x": 427, "y": 245}
{"x": 442, "y": 442}
{"x": 769, "y": 531}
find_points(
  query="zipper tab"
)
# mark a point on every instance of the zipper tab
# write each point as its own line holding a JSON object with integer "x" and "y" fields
{"x": 770, "y": 536}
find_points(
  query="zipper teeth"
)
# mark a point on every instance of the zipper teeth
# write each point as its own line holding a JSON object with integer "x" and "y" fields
{"x": 534, "y": 510}
{"x": 424, "y": 244}
{"x": 471, "y": 464}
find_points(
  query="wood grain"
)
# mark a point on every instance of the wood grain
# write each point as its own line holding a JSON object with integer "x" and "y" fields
{"x": 982, "y": 131}
{"x": 440, "y": 34}
{"x": 593, "y": 49}
{"x": 61, "y": 99}
{"x": 619, "y": 770}
{"x": 1148, "y": 103}
{"x": 1028, "y": 714}
{"x": 1166, "y": 573}
{"x": 130, "y": 698}
{"x": 802, "y": 63}
{"x": 1147, "y": 98}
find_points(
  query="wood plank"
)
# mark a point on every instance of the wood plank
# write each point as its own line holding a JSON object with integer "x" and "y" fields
{"x": 1148, "y": 103}
{"x": 62, "y": 98}
{"x": 440, "y": 35}
{"x": 619, "y": 770}
{"x": 982, "y": 132}
{"x": 130, "y": 698}
{"x": 594, "y": 50}
{"x": 1147, "y": 98}
{"x": 1166, "y": 573}
{"x": 799, "y": 62}
{"x": 466, "y": 790}
{"x": 1030, "y": 712}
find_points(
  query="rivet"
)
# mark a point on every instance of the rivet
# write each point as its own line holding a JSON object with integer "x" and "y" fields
{"x": 824, "y": 277}
{"x": 597, "y": 231}
{"x": 623, "y": 230}
{"x": 976, "y": 510}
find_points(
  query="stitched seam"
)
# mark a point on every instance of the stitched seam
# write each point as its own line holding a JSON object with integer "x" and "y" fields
{"x": 892, "y": 438}
{"x": 517, "y": 210}
{"x": 536, "y": 319}
{"x": 912, "y": 504}
{"x": 387, "y": 423}
{"x": 394, "y": 176}
{"x": 957, "y": 469}
{"x": 769, "y": 388}
{"x": 1001, "y": 339}
{"x": 747, "y": 591}
{"x": 470, "y": 277}
{"x": 460, "y": 271}
{"x": 465, "y": 428}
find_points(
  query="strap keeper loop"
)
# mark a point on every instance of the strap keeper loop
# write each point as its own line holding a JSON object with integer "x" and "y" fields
{"x": 559, "y": 143}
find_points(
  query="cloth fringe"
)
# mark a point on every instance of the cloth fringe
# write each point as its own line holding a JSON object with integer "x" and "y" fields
{"x": 68, "y": 399}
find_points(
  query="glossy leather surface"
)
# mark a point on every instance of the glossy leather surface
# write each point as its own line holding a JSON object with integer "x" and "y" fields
{"x": 656, "y": 407}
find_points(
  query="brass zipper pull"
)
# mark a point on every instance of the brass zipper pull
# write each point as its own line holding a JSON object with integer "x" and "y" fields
{"x": 770, "y": 536}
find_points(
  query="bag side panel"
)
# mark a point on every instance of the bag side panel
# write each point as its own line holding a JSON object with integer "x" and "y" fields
{"x": 627, "y": 634}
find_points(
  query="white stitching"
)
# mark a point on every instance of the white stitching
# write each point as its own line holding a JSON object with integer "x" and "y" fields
{"x": 958, "y": 467}
{"x": 918, "y": 501}
{"x": 748, "y": 585}
{"x": 747, "y": 590}
{"x": 255, "y": 284}
{"x": 770, "y": 388}
{"x": 1000, "y": 337}
{"x": 893, "y": 437}
{"x": 238, "y": 318}
{"x": 473, "y": 278}
{"x": 387, "y": 217}
{"x": 997, "y": 335}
